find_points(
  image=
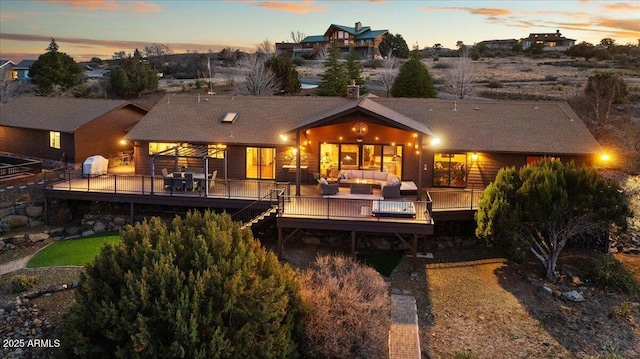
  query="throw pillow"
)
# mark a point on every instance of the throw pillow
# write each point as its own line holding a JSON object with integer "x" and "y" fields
{"x": 323, "y": 181}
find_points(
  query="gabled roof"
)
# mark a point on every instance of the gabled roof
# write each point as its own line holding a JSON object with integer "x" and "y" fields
{"x": 371, "y": 34}
{"x": 4, "y": 63}
{"x": 56, "y": 113}
{"x": 489, "y": 126}
{"x": 24, "y": 65}
{"x": 386, "y": 115}
{"x": 351, "y": 30}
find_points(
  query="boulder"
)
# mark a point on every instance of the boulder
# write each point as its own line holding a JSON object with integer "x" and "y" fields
{"x": 16, "y": 221}
{"x": 119, "y": 221}
{"x": 99, "y": 226}
{"x": 19, "y": 239}
{"x": 311, "y": 240}
{"x": 7, "y": 211}
{"x": 35, "y": 224}
{"x": 573, "y": 296}
{"x": 88, "y": 233}
{"x": 34, "y": 211}
{"x": 37, "y": 237}
{"x": 2, "y": 244}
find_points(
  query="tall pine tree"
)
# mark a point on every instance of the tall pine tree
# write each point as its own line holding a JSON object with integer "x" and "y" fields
{"x": 55, "y": 70}
{"x": 354, "y": 71}
{"x": 333, "y": 81}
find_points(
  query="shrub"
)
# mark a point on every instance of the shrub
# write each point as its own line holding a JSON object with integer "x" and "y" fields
{"x": 463, "y": 354}
{"x": 442, "y": 65}
{"x": 610, "y": 274}
{"x": 373, "y": 63}
{"x": 348, "y": 306}
{"x": 495, "y": 84}
{"x": 203, "y": 288}
{"x": 22, "y": 283}
{"x": 299, "y": 61}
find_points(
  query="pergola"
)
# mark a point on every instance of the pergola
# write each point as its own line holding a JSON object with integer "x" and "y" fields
{"x": 202, "y": 152}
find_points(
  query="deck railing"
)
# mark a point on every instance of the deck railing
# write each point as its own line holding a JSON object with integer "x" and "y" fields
{"x": 13, "y": 166}
{"x": 348, "y": 208}
{"x": 455, "y": 199}
{"x": 147, "y": 185}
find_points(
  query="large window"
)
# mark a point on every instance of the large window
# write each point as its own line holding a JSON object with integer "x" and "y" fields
{"x": 449, "y": 170}
{"x": 155, "y": 147}
{"x": 337, "y": 157}
{"x": 261, "y": 163}
{"x": 217, "y": 151}
{"x": 54, "y": 139}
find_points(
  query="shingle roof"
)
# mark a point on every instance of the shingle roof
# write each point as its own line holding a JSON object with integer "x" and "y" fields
{"x": 24, "y": 64}
{"x": 499, "y": 126}
{"x": 55, "y": 113}
{"x": 492, "y": 126}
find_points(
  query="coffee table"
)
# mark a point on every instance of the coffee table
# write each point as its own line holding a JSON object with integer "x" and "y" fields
{"x": 362, "y": 187}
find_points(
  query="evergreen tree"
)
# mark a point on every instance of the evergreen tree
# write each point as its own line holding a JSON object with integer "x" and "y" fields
{"x": 333, "y": 81}
{"x": 413, "y": 80}
{"x": 394, "y": 46}
{"x": 354, "y": 71}
{"x": 543, "y": 206}
{"x": 55, "y": 70}
{"x": 286, "y": 74}
{"x": 203, "y": 288}
{"x": 133, "y": 76}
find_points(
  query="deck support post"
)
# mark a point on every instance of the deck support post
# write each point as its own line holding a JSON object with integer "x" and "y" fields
{"x": 46, "y": 211}
{"x": 414, "y": 252}
{"x": 420, "y": 169}
{"x": 131, "y": 212}
{"x": 280, "y": 249}
{"x": 298, "y": 170}
{"x": 353, "y": 243}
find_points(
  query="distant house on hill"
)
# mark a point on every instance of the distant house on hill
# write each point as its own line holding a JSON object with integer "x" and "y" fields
{"x": 71, "y": 128}
{"x": 361, "y": 38}
{"x": 20, "y": 71}
{"x": 500, "y": 44}
{"x": 550, "y": 41}
{"x": 6, "y": 68}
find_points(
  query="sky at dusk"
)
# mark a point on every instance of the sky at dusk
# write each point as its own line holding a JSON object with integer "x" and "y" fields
{"x": 88, "y": 28}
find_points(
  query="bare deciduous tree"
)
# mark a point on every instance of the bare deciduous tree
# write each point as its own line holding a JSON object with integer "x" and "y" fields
{"x": 297, "y": 36}
{"x": 459, "y": 79}
{"x": 10, "y": 90}
{"x": 156, "y": 49}
{"x": 389, "y": 71}
{"x": 259, "y": 80}
{"x": 266, "y": 47}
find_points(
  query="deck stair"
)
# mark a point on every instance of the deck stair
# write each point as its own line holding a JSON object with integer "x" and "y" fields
{"x": 263, "y": 217}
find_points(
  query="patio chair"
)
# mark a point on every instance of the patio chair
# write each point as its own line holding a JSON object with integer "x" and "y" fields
{"x": 188, "y": 181}
{"x": 168, "y": 181}
{"x": 391, "y": 191}
{"x": 178, "y": 183}
{"x": 212, "y": 181}
{"x": 328, "y": 189}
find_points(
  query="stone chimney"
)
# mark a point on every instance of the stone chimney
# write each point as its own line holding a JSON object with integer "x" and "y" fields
{"x": 358, "y": 26}
{"x": 353, "y": 91}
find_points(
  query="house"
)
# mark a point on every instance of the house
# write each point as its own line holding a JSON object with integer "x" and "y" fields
{"x": 550, "y": 41}
{"x": 6, "y": 70}
{"x": 507, "y": 44}
{"x": 21, "y": 71}
{"x": 68, "y": 129}
{"x": 362, "y": 39}
{"x": 432, "y": 142}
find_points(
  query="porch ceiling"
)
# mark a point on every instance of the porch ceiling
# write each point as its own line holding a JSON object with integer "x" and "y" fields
{"x": 187, "y": 151}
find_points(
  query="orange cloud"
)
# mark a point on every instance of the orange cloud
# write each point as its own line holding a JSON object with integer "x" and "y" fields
{"x": 622, "y": 24}
{"x": 111, "y": 5}
{"x": 471, "y": 10}
{"x": 300, "y": 8}
{"x": 621, "y": 6}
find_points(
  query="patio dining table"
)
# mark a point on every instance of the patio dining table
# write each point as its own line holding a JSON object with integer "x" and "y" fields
{"x": 198, "y": 178}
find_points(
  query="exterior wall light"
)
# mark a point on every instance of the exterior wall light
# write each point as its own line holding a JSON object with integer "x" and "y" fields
{"x": 474, "y": 157}
{"x": 435, "y": 141}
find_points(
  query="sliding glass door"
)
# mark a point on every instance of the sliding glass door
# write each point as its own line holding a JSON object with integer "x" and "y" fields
{"x": 337, "y": 157}
{"x": 261, "y": 163}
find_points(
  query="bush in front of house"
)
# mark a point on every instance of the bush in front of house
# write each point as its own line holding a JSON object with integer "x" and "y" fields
{"x": 202, "y": 288}
{"x": 348, "y": 310}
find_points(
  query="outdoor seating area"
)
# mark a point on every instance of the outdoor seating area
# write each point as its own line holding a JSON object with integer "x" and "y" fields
{"x": 190, "y": 179}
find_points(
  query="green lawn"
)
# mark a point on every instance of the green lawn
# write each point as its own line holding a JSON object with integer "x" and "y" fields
{"x": 73, "y": 252}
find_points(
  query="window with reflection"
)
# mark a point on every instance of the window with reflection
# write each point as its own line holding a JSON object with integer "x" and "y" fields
{"x": 155, "y": 147}
{"x": 450, "y": 170}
